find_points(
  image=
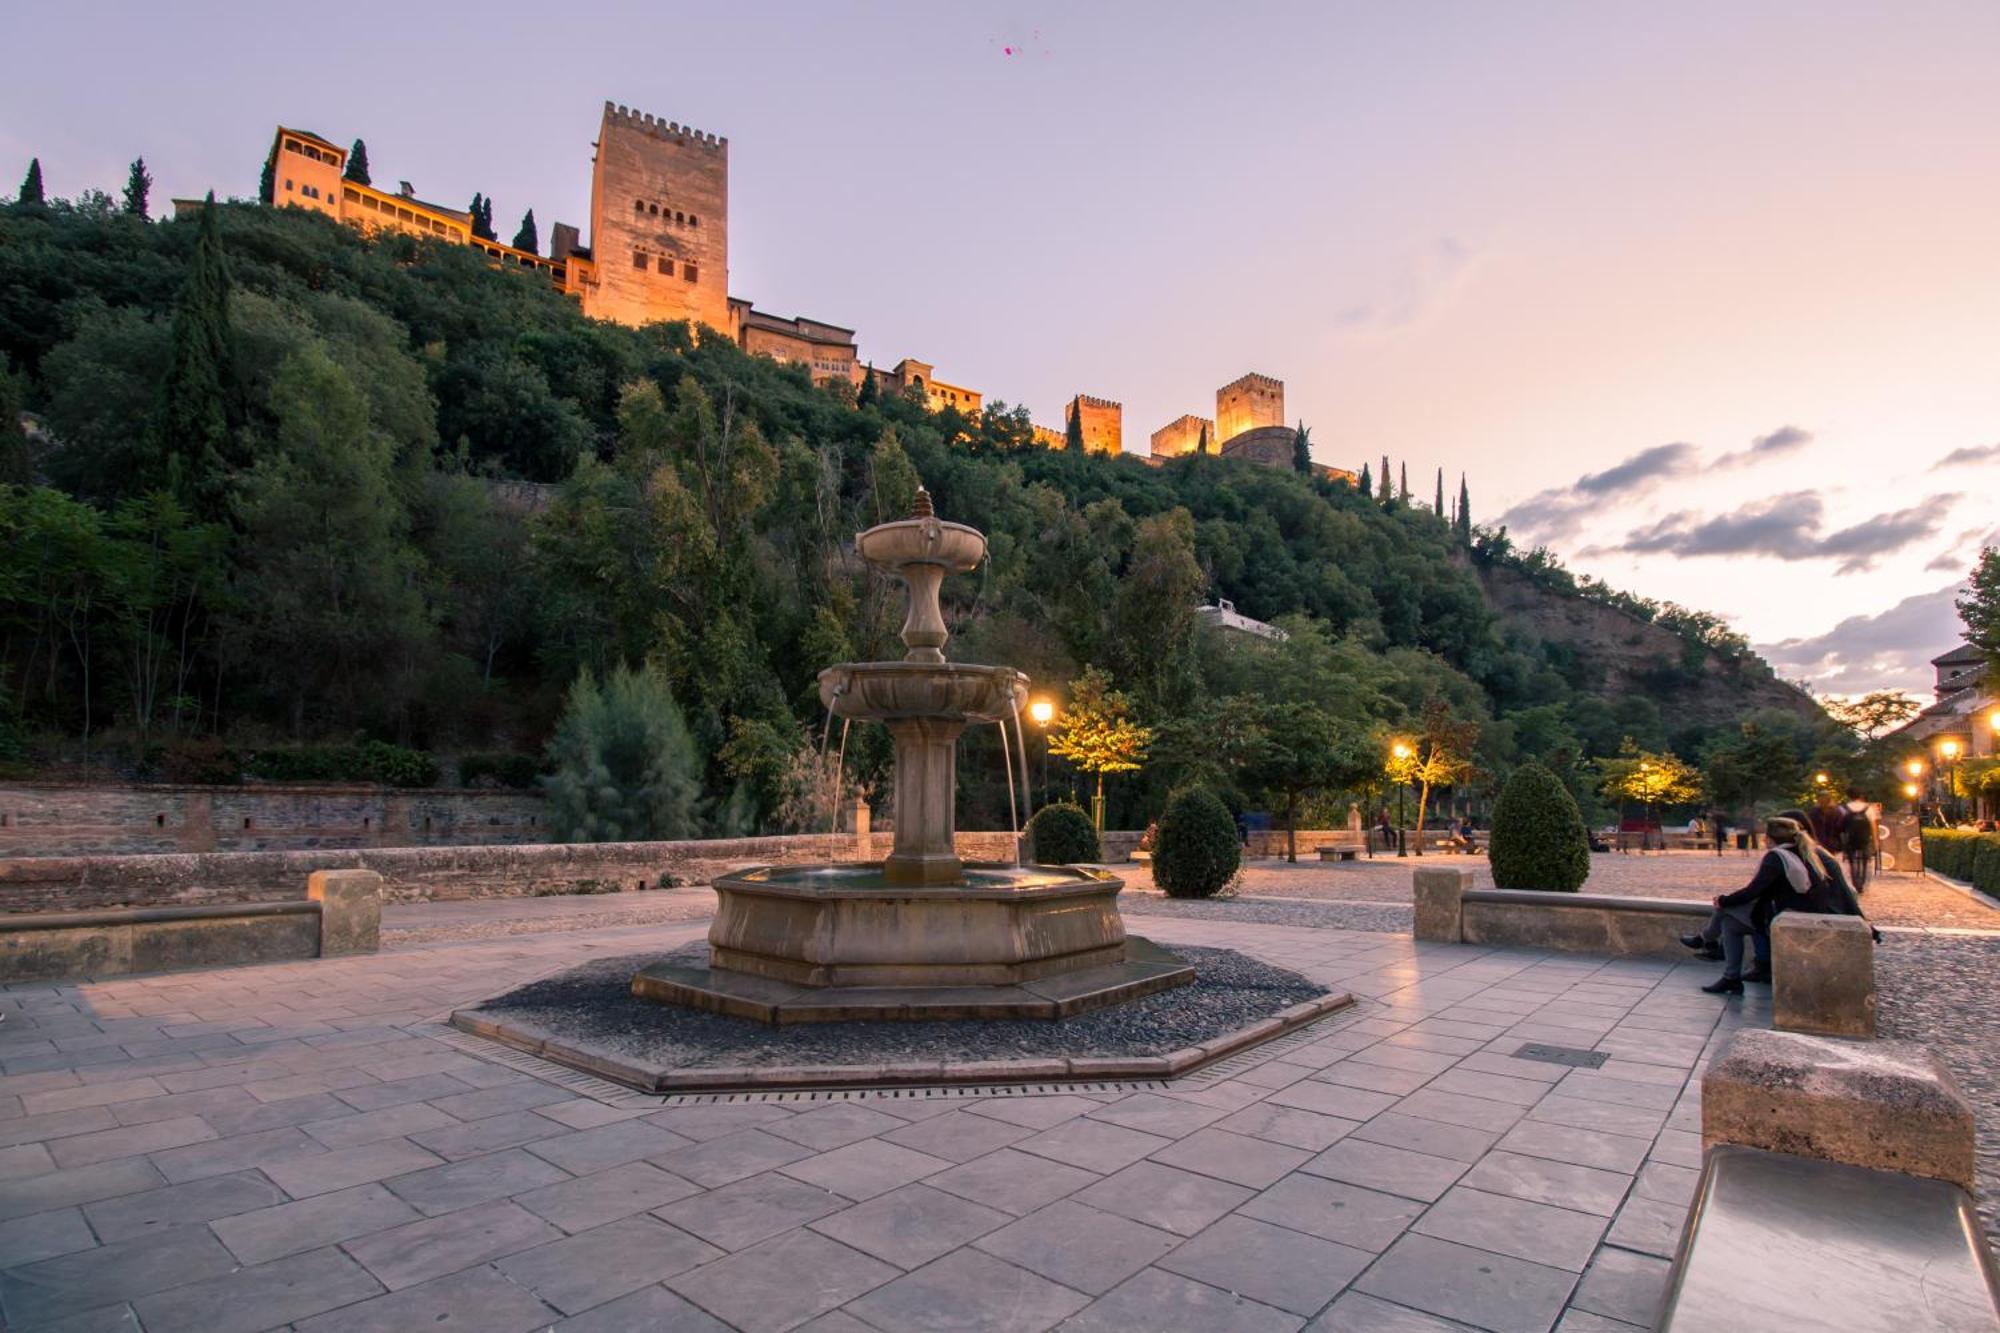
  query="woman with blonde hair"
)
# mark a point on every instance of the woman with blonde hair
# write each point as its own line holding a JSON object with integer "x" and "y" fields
{"x": 1795, "y": 875}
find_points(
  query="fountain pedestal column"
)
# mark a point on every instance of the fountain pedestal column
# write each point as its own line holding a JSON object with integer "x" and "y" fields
{"x": 926, "y": 850}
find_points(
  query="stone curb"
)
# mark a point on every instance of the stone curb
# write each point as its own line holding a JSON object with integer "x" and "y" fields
{"x": 525, "y": 1036}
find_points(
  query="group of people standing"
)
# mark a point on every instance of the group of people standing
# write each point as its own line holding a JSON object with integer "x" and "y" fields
{"x": 1798, "y": 873}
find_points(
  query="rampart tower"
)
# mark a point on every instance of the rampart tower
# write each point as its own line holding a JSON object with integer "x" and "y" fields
{"x": 659, "y": 222}
{"x": 1103, "y": 423}
{"x": 1247, "y": 403}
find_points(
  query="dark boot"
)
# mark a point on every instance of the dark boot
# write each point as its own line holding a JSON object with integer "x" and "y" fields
{"x": 1760, "y": 974}
{"x": 1725, "y": 986}
{"x": 1695, "y": 942}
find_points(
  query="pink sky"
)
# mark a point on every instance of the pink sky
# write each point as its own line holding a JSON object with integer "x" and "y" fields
{"x": 1525, "y": 241}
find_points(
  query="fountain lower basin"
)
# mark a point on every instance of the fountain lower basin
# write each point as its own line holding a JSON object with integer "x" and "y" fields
{"x": 822, "y": 943}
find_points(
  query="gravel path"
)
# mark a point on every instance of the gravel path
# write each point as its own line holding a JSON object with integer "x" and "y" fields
{"x": 1230, "y": 991}
{"x": 1944, "y": 991}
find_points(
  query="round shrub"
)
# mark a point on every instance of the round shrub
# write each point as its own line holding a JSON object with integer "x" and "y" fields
{"x": 1539, "y": 840}
{"x": 1061, "y": 835}
{"x": 1197, "y": 850}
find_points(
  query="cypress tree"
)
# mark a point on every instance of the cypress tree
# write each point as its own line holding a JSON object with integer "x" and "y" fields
{"x": 526, "y": 238}
{"x": 1302, "y": 458}
{"x": 1464, "y": 512}
{"x": 1201, "y": 445}
{"x": 1367, "y": 483}
{"x": 357, "y": 164}
{"x": 190, "y": 426}
{"x": 1405, "y": 486}
{"x": 1073, "y": 432}
{"x": 267, "y": 183}
{"x": 870, "y": 391}
{"x": 31, "y": 185}
{"x": 138, "y": 185}
{"x": 482, "y": 217}
{"x": 1386, "y": 487}
{"x": 1437, "y": 507}
{"x": 486, "y": 222}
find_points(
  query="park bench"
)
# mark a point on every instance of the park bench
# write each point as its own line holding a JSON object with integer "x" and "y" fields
{"x": 1339, "y": 852}
{"x": 1144, "y": 858}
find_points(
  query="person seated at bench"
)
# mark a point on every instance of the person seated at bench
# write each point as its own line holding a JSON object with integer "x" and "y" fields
{"x": 1794, "y": 875}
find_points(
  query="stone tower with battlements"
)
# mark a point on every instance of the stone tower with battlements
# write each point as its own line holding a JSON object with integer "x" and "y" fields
{"x": 659, "y": 223}
{"x": 1245, "y": 404}
{"x": 1103, "y": 423}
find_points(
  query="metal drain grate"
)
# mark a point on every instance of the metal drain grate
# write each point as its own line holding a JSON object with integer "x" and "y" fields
{"x": 1574, "y": 1057}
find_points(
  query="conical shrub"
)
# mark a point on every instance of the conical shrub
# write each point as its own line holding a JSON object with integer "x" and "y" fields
{"x": 1061, "y": 834}
{"x": 1197, "y": 850}
{"x": 1539, "y": 840}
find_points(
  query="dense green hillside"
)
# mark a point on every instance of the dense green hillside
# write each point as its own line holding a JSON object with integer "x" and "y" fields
{"x": 268, "y": 501}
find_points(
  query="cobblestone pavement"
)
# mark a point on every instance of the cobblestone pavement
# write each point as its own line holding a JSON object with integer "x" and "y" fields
{"x": 299, "y": 1145}
{"x": 1902, "y": 900}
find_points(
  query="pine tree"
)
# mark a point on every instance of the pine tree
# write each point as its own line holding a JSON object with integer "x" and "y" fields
{"x": 138, "y": 185}
{"x": 267, "y": 183}
{"x": 1437, "y": 506}
{"x": 190, "y": 426}
{"x": 357, "y": 164}
{"x": 1302, "y": 458}
{"x": 1367, "y": 483}
{"x": 1073, "y": 432}
{"x": 1464, "y": 512}
{"x": 870, "y": 391}
{"x": 526, "y": 238}
{"x": 31, "y": 185}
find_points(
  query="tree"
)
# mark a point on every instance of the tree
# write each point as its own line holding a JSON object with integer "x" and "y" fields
{"x": 526, "y": 238}
{"x": 31, "y": 186}
{"x": 1649, "y": 777}
{"x": 1387, "y": 483}
{"x": 1757, "y": 763}
{"x": 189, "y": 437}
{"x": 1464, "y": 512}
{"x": 1367, "y": 483}
{"x": 1201, "y": 445}
{"x": 1979, "y": 607}
{"x": 1096, "y": 732}
{"x": 357, "y": 164}
{"x": 17, "y": 468}
{"x": 870, "y": 390}
{"x": 1302, "y": 458}
{"x": 1874, "y": 713}
{"x": 1405, "y": 487}
{"x": 1073, "y": 428}
{"x": 1439, "y": 755}
{"x": 267, "y": 180}
{"x": 138, "y": 184}
{"x": 625, "y": 768}
{"x": 1437, "y": 506}
{"x": 1539, "y": 842}
{"x": 482, "y": 218}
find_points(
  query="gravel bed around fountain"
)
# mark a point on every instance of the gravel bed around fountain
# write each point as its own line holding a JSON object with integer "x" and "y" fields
{"x": 588, "y": 1018}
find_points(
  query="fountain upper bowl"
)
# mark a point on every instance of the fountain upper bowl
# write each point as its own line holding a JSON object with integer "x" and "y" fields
{"x": 922, "y": 541}
{"x": 883, "y": 691}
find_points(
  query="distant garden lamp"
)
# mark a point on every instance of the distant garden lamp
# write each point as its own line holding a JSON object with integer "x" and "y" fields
{"x": 1400, "y": 753}
{"x": 1948, "y": 750}
{"x": 1042, "y": 712}
{"x": 1820, "y": 779}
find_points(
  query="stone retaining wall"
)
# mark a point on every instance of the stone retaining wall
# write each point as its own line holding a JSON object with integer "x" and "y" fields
{"x": 60, "y": 819}
{"x": 419, "y": 874}
{"x": 1447, "y": 907}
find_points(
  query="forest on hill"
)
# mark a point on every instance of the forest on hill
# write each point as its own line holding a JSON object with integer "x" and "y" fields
{"x": 285, "y": 501}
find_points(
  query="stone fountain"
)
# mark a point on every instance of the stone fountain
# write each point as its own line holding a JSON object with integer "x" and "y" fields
{"x": 921, "y": 934}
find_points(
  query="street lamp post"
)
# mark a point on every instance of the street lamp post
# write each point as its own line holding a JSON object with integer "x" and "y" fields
{"x": 1948, "y": 751}
{"x": 1402, "y": 754}
{"x": 1646, "y": 801}
{"x": 1910, "y": 789}
{"x": 1042, "y": 711}
{"x": 1915, "y": 768}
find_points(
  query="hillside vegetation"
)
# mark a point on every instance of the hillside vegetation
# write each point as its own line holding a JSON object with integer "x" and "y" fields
{"x": 271, "y": 496}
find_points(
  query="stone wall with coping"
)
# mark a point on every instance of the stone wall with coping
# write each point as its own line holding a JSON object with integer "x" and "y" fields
{"x": 1449, "y": 909}
{"x": 421, "y": 874}
{"x": 64, "y": 819}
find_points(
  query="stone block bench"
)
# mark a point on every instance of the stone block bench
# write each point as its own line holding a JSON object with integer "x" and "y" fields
{"x": 1449, "y": 908}
{"x": 1834, "y": 1194}
{"x": 1339, "y": 852}
{"x": 341, "y": 914}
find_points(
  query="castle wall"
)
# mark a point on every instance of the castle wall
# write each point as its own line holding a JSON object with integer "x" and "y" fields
{"x": 1270, "y": 446}
{"x": 1103, "y": 424}
{"x": 659, "y": 222}
{"x": 1247, "y": 404}
{"x": 1182, "y": 436}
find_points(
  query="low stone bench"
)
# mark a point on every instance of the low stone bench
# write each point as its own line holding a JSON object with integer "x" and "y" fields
{"x": 1834, "y": 1194}
{"x": 1449, "y": 908}
{"x": 1339, "y": 853}
{"x": 1823, "y": 974}
{"x": 342, "y": 914}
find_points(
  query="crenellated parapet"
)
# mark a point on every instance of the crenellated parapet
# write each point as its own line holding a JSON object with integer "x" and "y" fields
{"x": 646, "y": 123}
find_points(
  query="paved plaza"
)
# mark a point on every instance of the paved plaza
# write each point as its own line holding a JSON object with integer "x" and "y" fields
{"x": 302, "y": 1145}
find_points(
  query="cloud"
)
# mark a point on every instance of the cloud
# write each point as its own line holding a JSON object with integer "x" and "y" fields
{"x": 1559, "y": 512}
{"x": 1963, "y": 550}
{"x": 1890, "y": 650}
{"x": 1787, "y": 527}
{"x": 1783, "y": 440}
{"x": 1424, "y": 280}
{"x": 1970, "y": 456}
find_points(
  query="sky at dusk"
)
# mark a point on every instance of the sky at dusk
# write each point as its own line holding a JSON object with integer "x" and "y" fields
{"x": 1704, "y": 296}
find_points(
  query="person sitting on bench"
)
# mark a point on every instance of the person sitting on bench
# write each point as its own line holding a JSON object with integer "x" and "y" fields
{"x": 1792, "y": 876}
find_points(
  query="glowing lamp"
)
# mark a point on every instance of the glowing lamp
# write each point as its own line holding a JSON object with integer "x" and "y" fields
{"x": 1041, "y": 710}
{"x": 1910, "y": 790}
{"x": 1914, "y": 767}
{"x": 1400, "y": 750}
{"x": 1949, "y": 749}
{"x": 1820, "y": 779}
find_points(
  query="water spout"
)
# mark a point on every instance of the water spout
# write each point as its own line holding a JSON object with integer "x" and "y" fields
{"x": 1013, "y": 811}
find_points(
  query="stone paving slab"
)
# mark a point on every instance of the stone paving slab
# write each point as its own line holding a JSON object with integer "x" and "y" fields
{"x": 326, "y": 1162}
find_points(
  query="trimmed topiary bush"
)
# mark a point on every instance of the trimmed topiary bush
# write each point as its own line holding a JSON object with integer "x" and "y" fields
{"x": 1197, "y": 850}
{"x": 1539, "y": 840}
{"x": 1061, "y": 835}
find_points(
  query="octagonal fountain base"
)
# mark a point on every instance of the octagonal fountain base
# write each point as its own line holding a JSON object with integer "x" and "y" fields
{"x": 817, "y": 944}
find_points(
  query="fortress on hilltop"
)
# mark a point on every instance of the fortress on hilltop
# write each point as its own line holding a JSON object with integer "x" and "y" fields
{"x": 659, "y": 250}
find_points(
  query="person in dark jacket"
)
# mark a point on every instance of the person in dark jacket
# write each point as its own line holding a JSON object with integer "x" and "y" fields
{"x": 1792, "y": 876}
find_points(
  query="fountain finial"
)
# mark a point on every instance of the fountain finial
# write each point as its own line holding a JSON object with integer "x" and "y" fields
{"x": 921, "y": 506}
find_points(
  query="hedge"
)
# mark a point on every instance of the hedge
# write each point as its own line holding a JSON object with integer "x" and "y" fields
{"x": 1539, "y": 841}
{"x": 1062, "y": 835}
{"x": 1962, "y": 854}
{"x": 375, "y": 761}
